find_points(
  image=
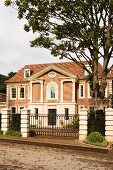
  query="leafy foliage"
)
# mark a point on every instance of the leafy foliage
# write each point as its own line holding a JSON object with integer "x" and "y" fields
{"x": 3, "y": 78}
{"x": 95, "y": 138}
{"x": 77, "y": 30}
{"x": 96, "y": 122}
{"x": 13, "y": 133}
{"x": 1, "y": 132}
{"x": 74, "y": 124}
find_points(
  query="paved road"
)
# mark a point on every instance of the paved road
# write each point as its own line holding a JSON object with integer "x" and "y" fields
{"x": 26, "y": 157}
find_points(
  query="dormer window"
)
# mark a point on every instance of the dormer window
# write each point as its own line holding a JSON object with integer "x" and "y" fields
{"x": 26, "y": 73}
{"x": 89, "y": 68}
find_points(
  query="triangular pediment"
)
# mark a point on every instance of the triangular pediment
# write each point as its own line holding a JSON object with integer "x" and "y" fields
{"x": 49, "y": 68}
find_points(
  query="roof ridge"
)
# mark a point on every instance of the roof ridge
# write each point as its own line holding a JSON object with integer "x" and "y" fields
{"x": 50, "y": 63}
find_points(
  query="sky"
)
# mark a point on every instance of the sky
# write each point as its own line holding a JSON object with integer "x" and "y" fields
{"x": 15, "y": 50}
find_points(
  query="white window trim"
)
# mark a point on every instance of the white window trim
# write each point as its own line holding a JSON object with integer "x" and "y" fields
{"x": 20, "y": 109}
{"x": 48, "y": 87}
{"x": 81, "y": 107}
{"x": 25, "y": 73}
{"x": 52, "y": 74}
{"x": 11, "y": 93}
{"x": 89, "y": 91}
{"x": 19, "y": 92}
{"x": 89, "y": 68}
{"x": 81, "y": 97}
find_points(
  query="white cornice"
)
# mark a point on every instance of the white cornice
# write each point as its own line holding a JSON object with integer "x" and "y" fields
{"x": 36, "y": 75}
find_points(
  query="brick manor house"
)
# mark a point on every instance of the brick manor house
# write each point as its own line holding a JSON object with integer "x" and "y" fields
{"x": 59, "y": 88}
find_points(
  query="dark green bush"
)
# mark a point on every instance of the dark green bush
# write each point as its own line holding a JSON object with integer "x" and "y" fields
{"x": 13, "y": 133}
{"x": 1, "y": 132}
{"x": 96, "y": 122}
{"x": 95, "y": 137}
{"x": 74, "y": 124}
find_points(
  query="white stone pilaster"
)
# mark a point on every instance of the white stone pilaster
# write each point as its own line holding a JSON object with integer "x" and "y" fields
{"x": 31, "y": 91}
{"x": 83, "y": 114}
{"x": 73, "y": 91}
{"x": 61, "y": 97}
{"x": 25, "y": 114}
{"x": 5, "y": 115}
{"x": 7, "y": 95}
{"x": 41, "y": 93}
{"x": 109, "y": 124}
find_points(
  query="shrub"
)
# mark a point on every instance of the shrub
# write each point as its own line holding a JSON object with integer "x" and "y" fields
{"x": 1, "y": 132}
{"x": 13, "y": 133}
{"x": 97, "y": 139}
{"x": 96, "y": 122}
{"x": 74, "y": 124}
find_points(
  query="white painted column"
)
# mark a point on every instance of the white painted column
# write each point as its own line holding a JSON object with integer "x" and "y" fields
{"x": 25, "y": 114}
{"x": 73, "y": 91}
{"x": 109, "y": 124}
{"x": 61, "y": 97}
{"x": 5, "y": 115}
{"x": 83, "y": 114}
{"x": 7, "y": 96}
{"x": 41, "y": 93}
{"x": 31, "y": 91}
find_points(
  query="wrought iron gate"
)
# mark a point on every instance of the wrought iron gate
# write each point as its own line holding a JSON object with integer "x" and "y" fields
{"x": 54, "y": 125}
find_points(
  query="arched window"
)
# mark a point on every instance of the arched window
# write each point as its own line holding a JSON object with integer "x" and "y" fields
{"x": 52, "y": 90}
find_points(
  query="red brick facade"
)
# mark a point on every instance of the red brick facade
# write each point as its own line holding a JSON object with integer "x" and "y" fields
{"x": 66, "y": 80}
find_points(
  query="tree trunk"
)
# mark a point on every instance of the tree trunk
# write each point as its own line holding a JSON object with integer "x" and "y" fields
{"x": 99, "y": 104}
{"x": 99, "y": 91}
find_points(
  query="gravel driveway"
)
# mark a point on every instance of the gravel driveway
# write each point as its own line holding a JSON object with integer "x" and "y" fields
{"x": 27, "y": 157}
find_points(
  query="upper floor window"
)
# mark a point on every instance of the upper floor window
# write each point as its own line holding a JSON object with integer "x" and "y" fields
{"x": 13, "y": 93}
{"x": 52, "y": 74}
{"x": 22, "y": 95}
{"x": 89, "y": 68}
{"x": 81, "y": 90}
{"x": 26, "y": 73}
{"x": 66, "y": 113}
{"x": 52, "y": 90}
{"x": 89, "y": 91}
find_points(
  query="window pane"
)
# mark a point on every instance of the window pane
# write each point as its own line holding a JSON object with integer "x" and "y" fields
{"x": 13, "y": 109}
{"x": 52, "y": 92}
{"x": 27, "y": 73}
{"x": 13, "y": 92}
{"x": 66, "y": 113}
{"x": 21, "y": 92}
{"x": 21, "y": 109}
{"x": 81, "y": 91}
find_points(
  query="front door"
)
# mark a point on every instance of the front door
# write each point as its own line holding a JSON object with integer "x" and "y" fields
{"x": 51, "y": 116}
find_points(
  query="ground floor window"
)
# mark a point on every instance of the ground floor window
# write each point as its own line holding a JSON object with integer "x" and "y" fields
{"x": 13, "y": 110}
{"x": 36, "y": 113}
{"x": 66, "y": 113}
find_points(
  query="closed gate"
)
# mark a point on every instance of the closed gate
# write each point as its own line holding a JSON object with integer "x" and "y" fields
{"x": 54, "y": 125}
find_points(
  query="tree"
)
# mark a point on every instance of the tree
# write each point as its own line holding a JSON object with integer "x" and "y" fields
{"x": 75, "y": 29}
{"x": 11, "y": 74}
{"x": 3, "y": 78}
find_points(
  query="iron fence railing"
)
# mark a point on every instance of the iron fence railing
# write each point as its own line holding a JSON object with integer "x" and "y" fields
{"x": 54, "y": 125}
{"x": 15, "y": 122}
